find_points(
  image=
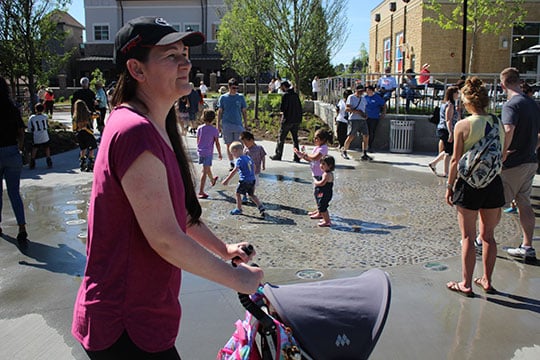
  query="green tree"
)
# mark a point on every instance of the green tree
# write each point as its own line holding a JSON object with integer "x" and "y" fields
{"x": 483, "y": 16}
{"x": 28, "y": 32}
{"x": 304, "y": 31}
{"x": 360, "y": 64}
{"x": 246, "y": 46}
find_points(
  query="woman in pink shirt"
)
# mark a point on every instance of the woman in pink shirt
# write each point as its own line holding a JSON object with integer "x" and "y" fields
{"x": 144, "y": 218}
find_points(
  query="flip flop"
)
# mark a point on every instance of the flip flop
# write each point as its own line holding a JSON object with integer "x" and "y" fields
{"x": 433, "y": 169}
{"x": 315, "y": 217}
{"x": 214, "y": 180}
{"x": 489, "y": 290}
{"x": 454, "y": 286}
{"x": 324, "y": 224}
{"x": 202, "y": 196}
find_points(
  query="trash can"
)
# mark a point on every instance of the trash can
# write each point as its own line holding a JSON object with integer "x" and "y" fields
{"x": 401, "y": 136}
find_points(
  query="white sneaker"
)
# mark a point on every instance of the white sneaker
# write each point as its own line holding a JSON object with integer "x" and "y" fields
{"x": 527, "y": 254}
{"x": 478, "y": 244}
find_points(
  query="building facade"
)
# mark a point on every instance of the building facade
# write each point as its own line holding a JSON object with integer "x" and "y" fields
{"x": 103, "y": 18}
{"x": 401, "y": 39}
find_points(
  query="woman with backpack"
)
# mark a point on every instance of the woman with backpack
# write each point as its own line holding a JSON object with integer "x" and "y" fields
{"x": 485, "y": 198}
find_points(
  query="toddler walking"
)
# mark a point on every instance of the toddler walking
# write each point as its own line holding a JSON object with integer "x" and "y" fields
{"x": 321, "y": 149}
{"x": 244, "y": 165}
{"x": 256, "y": 153}
{"x": 85, "y": 136}
{"x": 324, "y": 189}
{"x": 207, "y": 136}
{"x": 38, "y": 125}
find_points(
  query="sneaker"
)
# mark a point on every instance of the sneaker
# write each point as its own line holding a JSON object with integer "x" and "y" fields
{"x": 245, "y": 200}
{"x": 344, "y": 155}
{"x": 275, "y": 157}
{"x": 262, "y": 211}
{"x": 236, "y": 211}
{"x": 49, "y": 162}
{"x": 32, "y": 164}
{"x": 478, "y": 245}
{"x": 365, "y": 157}
{"x": 528, "y": 254}
{"x": 511, "y": 210}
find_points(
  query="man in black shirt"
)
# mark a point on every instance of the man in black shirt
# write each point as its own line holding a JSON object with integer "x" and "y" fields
{"x": 84, "y": 94}
{"x": 291, "y": 117}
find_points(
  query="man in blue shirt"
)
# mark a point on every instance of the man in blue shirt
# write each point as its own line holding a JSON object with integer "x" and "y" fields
{"x": 232, "y": 109}
{"x": 375, "y": 111}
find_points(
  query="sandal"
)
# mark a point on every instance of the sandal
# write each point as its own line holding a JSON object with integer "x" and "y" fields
{"x": 313, "y": 212}
{"x": 433, "y": 168}
{"x": 455, "y": 287}
{"x": 214, "y": 180}
{"x": 480, "y": 283}
{"x": 324, "y": 224}
{"x": 316, "y": 216}
{"x": 203, "y": 196}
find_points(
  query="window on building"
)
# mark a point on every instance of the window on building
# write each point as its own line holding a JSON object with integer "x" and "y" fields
{"x": 215, "y": 29}
{"x": 399, "y": 53}
{"x": 523, "y": 37}
{"x": 192, "y": 27}
{"x": 386, "y": 53}
{"x": 101, "y": 32}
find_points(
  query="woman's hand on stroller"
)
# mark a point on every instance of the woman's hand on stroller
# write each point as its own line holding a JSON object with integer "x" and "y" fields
{"x": 240, "y": 253}
{"x": 248, "y": 278}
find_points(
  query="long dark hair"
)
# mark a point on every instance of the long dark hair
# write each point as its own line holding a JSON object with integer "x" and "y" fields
{"x": 10, "y": 112}
{"x": 126, "y": 90}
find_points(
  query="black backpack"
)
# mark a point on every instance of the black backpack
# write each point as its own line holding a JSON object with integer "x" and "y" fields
{"x": 436, "y": 116}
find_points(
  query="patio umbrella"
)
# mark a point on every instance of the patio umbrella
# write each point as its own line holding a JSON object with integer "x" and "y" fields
{"x": 533, "y": 50}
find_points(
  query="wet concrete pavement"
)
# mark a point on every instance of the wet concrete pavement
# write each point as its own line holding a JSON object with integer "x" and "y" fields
{"x": 389, "y": 213}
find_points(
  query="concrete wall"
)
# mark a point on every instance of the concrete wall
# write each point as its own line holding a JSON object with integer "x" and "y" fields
{"x": 425, "y": 139}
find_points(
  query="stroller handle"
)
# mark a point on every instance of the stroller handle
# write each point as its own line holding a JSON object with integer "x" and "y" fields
{"x": 266, "y": 321}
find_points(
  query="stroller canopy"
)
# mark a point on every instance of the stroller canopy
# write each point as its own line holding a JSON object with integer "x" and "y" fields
{"x": 335, "y": 319}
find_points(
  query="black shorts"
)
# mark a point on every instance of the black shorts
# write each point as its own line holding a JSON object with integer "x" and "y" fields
{"x": 448, "y": 146}
{"x": 490, "y": 197}
{"x": 86, "y": 141}
{"x": 246, "y": 187}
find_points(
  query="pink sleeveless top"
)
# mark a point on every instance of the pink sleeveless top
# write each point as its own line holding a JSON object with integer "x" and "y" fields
{"x": 127, "y": 286}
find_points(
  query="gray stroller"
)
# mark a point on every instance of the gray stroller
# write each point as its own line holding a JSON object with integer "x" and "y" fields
{"x": 325, "y": 320}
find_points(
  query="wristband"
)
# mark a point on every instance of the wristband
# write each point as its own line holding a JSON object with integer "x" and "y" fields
{"x": 449, "y": 186}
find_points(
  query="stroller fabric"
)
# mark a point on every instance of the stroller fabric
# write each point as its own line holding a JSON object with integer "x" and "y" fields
{"x": 334, "y": 319}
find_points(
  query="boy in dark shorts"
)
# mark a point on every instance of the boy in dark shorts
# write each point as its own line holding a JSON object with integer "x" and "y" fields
{"x": 38, "y": 125}
{"x": 243, "y": 164}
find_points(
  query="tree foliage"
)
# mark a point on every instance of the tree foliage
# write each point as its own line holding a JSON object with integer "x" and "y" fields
{"x": 298, "y": 37}
{"x": 483, "y": 16}
{"x": 246, "y": 46}
{"x": 28, "y": 33}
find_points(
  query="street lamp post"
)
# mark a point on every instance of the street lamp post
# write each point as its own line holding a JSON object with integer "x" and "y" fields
{"x": 405, "y": 48}
{"x": 464, "y": 40}
{"x": 377, "y": 20}
{"x": 392, "y": 10}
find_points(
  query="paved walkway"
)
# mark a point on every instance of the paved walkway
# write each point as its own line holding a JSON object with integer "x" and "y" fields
{"x": 389, "y": 213}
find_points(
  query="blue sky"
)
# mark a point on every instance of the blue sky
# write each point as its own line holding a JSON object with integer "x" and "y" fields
{"x": 358, "y": 14}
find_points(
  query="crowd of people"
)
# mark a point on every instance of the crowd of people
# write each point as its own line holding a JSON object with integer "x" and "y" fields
{"x": 132, "y": 278}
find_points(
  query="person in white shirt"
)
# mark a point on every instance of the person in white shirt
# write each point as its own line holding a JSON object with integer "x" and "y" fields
{"x": 38, "y": 125}
{"x": 387, "y": 84}
{"x": 203, "y": 88}
{"x": 315, "y": 87}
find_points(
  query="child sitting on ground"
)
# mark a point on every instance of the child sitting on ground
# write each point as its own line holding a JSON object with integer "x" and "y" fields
{"x": 322, "y": 137}
{"x": 256, "y": 153}
{"x": 207, "y": 136}
{"x": 38, "y": 125}
{"x": 243, "y": 164}
{"x": 85, "y": 135}
{"x": 323, "y": 189}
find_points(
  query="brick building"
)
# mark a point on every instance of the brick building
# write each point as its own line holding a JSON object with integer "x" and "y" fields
{"x": 401, "y": 39}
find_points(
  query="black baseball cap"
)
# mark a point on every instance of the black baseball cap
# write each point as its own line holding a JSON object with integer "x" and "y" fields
{"x": 149, "y": 31}
{"x": 359, "y": 87}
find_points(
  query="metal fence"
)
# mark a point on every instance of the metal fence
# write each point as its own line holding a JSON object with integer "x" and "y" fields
{"x": 426, "y": 96}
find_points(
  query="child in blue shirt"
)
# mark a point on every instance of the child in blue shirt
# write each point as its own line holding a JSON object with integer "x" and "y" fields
{"x": 245, "y": 167}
